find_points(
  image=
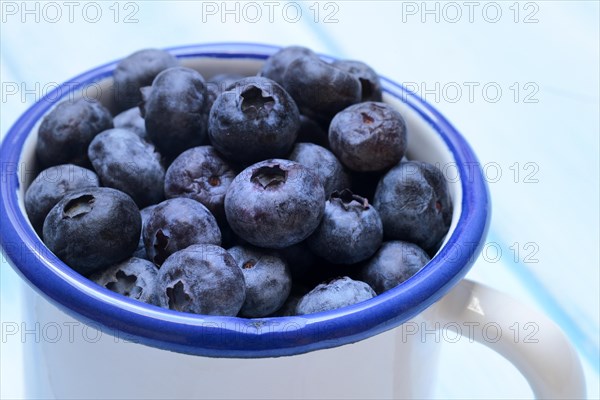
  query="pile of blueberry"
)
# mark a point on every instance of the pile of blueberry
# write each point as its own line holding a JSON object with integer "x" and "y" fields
{"x": 299, "y": 172}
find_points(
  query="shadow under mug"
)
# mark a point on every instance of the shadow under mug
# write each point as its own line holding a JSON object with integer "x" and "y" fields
{"x": 374, "y": 349}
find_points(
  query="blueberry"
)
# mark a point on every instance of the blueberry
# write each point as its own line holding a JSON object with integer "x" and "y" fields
{"x": 136, "y": 71}
{"x": 200, "y": 174}
{"x": 369, "y": 80}
{"x": 176, "y": 224}
{"x": 255, "y": 119}
{"x": 275, "y": 203}
{"x": 414, "y": 204}
{"x": 50, "y": 186}
{"x": 319, "y": 87}
{"x": 275, "y": 66}
{"x": 268, "y": 280}
{"x": 126, "y": 162}
{"x": 93, "y": 228}
{"x": 145, "y": 213}
{"x": 174, "y": 109}
{"x": 338, "y": 293}
{"x": 134, "y": 278}
{"x": 368, "y": 136}
{"x": 350, "y": 231}
{"x": 324, "y": 164}
{"x": 393, "y": 264}
{"x": 132, "y": 120}
{"x": 201, "y": 279}
{"x": 66, "y": 132}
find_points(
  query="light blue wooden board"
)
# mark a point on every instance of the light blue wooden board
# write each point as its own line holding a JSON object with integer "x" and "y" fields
{"x": 558, "y": 135}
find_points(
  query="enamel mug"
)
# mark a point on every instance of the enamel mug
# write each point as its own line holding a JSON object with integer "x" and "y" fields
{"x": 93, "y": 343}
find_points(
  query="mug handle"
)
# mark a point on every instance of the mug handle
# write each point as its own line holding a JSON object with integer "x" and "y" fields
{"x": 542, "y": 354}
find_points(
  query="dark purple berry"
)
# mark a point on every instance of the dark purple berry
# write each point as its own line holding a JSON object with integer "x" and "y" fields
{"x": 176, "y": 224}
{"x": 369, "y": 80}
{"x": 319, "y": 87}
{"x": 50, "y": 186}
{"x": 201, "y": 279}
{"x": 368, "y": 136}
{"x": 126, "y": 162}
{"x": 93, "y": 228}
{"x": 66, "y": 132}
{"x": 338, "y": 293}
{"x": 134, "y": 278}
{"x": 414, "y": 204}
{"x": 174, "y": 110}
{"x": 324, "y": 164}
{"x": 255, "y": 119}
{"x": 393, "y": 264}
{"x": 200, "y": 174}
{"x": 136, "y": 71}
{"x": 275, "y": 66}
{"x": 275, "y": 203}
{"x": 350, "y": 231}
{"x": 268, "y": 280}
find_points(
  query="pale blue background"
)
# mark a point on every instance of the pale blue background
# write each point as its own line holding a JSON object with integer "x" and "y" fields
{"x": 554, "y": 212}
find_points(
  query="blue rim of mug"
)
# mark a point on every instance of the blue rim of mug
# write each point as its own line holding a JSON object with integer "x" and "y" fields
{"x": 217, "y": 336}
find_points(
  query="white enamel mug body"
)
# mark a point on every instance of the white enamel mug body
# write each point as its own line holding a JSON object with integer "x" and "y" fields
{"x": 66, "y": 359}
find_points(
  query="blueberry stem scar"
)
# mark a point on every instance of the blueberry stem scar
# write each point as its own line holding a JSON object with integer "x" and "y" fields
{"x": 178, "y": 298}
{"x": 347, "y": 197}
{"x": 269, "y": 176}
{"x": 79, "y": 206}
{"x": 254, "y": 98}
